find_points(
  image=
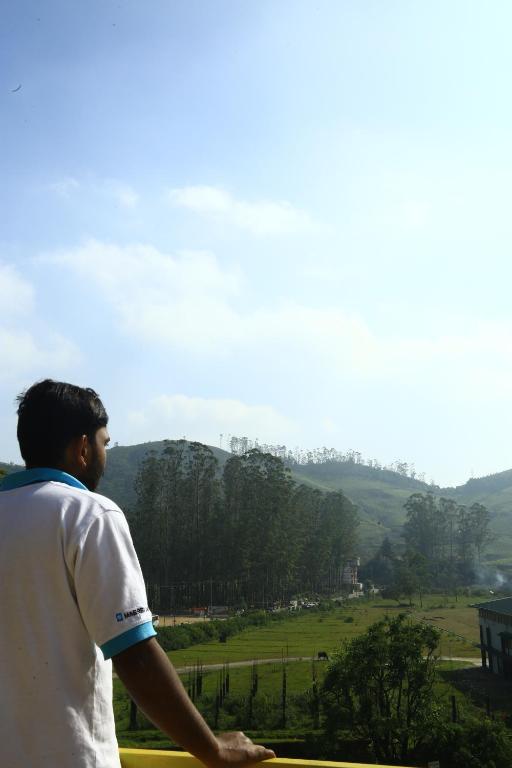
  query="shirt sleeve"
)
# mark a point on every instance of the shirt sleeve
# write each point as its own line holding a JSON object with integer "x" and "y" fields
{"x": 109, "y": 586}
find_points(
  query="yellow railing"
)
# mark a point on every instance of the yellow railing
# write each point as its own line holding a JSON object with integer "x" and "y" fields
{"x": 154, "y": 758}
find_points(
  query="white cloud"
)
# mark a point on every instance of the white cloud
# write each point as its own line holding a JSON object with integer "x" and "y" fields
{"x": 175, "y": 416}
{"x": 17, "y": 294}
{"x": 23, "y": 349}
{"x": 123, "y": 194}
{"x": 64, "y": 187}
{"x": 262, "y": 217}
{"x": 180, "y": 299}
{"x": 24, "y": 354}
{"x": 189, "y": 301}
{"x": 339, "y": 339}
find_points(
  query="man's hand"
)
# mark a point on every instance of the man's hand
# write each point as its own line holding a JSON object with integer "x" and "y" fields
{"x": 154, "y": 685}
{"x": 236, "y": 749}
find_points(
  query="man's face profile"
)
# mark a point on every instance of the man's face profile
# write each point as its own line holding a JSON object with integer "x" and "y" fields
{"x": 97, "y": 459}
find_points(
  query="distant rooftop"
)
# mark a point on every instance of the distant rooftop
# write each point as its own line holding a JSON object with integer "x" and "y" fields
{"x": 500, "y": 605}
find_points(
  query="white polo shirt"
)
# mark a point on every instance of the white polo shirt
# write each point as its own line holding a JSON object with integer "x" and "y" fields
{"x": 71, "y": 596}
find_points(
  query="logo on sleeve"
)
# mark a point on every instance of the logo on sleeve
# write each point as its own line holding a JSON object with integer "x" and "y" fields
{"x": 130, "y": 614}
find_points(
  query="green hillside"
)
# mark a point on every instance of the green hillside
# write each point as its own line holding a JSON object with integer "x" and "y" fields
{"x": 122, "y": 466}
{"x": 8, "y": 468}
{"x": 123, "y": 462}
{"x": 379, "y": 495}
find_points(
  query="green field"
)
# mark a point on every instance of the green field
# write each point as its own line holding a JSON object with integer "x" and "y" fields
{"x": 267, "y": 703}
{"x": 309, "y": 633}
{"x": 304, "y": 636}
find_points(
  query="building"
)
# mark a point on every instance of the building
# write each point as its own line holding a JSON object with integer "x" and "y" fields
{"x": 495, "y": 618}
{"x": 349, "y": 575}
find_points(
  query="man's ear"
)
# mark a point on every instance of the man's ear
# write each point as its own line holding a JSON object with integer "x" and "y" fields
{"x": 77, "y": 456}
{"x": 83, "y": 451}
{"x": 78, "y": 452}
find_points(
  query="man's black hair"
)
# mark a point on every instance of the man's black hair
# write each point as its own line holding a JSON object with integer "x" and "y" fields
{"x": 50, "y": 414}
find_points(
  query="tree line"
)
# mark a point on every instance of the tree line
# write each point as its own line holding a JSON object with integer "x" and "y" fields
{"x": 246, "y": 534}
{"x": 444, "y": 545}
{"x": 300, "y": 456}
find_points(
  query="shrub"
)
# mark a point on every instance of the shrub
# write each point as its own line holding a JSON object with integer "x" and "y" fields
{"x": 475, "y": 744}
{"x": 187, "y": 635}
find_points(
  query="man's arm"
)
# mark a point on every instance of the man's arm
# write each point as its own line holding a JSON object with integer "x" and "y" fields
{"x": 156, "y": 688}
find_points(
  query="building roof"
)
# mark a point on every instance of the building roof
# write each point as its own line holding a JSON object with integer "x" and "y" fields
{"x": 501, "y": 605}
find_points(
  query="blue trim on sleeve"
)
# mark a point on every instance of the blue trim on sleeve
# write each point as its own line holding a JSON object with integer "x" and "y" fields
{"x": 39, "y": 475}
{"x": 127, "y": 639}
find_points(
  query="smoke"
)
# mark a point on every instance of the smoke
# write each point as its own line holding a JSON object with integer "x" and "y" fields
{"x": 490, "y": 578}
{"x": 500, "y": 579}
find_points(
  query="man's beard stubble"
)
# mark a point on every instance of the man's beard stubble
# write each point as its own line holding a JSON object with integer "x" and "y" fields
{"x": 94, "y": 472}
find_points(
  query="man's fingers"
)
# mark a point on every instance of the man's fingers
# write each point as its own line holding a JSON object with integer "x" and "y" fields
{"x": 239, "y": 749}
{"x": 262, "y": 753}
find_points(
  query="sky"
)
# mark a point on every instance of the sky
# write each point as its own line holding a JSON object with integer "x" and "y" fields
{"x": 282, "y": 219}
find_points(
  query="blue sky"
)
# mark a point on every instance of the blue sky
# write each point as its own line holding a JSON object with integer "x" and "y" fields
{"x": 281, "y": 219}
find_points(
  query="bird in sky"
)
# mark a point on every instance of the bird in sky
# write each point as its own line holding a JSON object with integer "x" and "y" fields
{"x": 15, "y": 90}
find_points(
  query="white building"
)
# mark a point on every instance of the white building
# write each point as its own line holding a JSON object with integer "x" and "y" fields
{"x": 349, "y": 575}
{"x": 495, "y": 618}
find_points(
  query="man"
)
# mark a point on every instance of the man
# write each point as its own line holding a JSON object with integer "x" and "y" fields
{"x": 72, "y": 597}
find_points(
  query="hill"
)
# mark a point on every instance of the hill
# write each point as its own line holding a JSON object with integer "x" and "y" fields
{"x": 7, "y": 468}
{"x": 379, "y": 494}
{"x": 123, "y": 463}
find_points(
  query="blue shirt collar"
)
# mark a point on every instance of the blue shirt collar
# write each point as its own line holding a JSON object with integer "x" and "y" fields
{"x": 38, "y": 475}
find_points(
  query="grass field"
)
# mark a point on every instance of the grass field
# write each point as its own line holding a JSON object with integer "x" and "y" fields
{"x": 310, "y": 633}
{"x": 458, "y": 623}
{"x": 298, "y": 674}
{"x": 298, "y": 680}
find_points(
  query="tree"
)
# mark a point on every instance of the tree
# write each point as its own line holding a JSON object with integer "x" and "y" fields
{"x": 480, "y": 520}
{"x": 380, "y": 569}
{"x": 201, "y": 489}
{"x": 480, "y": 743}
{"x": 425, "y": 528}
{"x": 380, "y": 686}
{"x": 465, "y": 545}
{"x": 410, "y": 575}
{"x": 276, "y": 538}
{"x": 451, "y": 537}
{"x": 449, "y": 510}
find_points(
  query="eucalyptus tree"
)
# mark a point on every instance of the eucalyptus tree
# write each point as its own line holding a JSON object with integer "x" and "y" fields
{"x": 201, "y": 495}
{"x": 425, "y": 527}
{"x": 452, "y": 537}
{"x": 480, "y": 526}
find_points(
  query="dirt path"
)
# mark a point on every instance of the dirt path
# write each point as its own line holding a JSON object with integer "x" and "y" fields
{"x": 471, "y": 662}
{"x": 246, "y": 663}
